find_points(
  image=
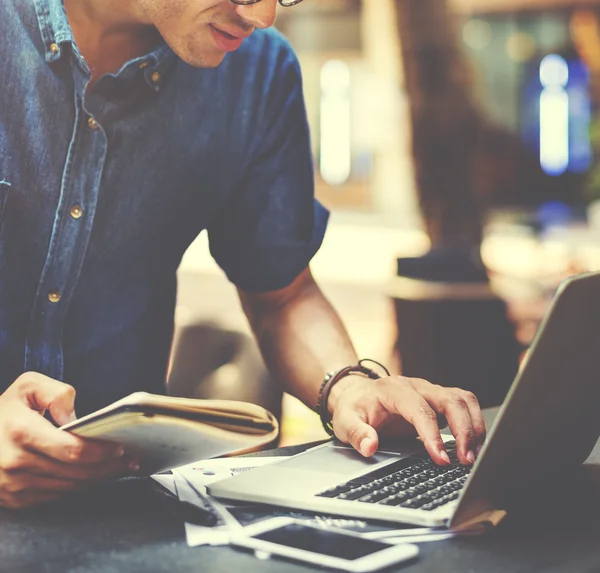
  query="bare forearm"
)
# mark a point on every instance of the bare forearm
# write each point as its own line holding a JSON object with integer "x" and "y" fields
{"x": 301, "y": 338}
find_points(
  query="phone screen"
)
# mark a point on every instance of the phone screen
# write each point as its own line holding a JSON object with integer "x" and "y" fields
{"x": 322, "y": 541}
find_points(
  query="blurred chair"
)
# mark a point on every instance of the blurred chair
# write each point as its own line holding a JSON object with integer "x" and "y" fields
{"x": 452, "y": 329}
{"x": 210, "y": 362}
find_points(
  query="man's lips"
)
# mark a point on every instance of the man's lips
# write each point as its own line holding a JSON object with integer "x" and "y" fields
{"x": 227, "y": 41}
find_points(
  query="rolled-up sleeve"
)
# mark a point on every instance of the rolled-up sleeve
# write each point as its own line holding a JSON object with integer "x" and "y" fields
{"x": 273, "y": 225}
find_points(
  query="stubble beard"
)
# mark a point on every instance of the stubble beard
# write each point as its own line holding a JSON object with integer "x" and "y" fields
{"x": 195, "y": 46}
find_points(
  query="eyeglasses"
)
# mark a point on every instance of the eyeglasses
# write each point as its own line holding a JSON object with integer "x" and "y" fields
{"x": 286, "y": 3}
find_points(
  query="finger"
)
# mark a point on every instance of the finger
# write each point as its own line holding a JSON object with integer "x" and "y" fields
{"x": 404, "y": 400}
{"x": 15, "y": 461}
{"x": 459, "y": 420}
{"x": 42, "y": 393}
{"x": 451, "y": 403}
{"x": 29, "y": 499}
{"x": 88, "y": 472}
{"x": 32, "y": 432}
{"x": 479, "y": 429}
{"x": 24, "y": 482}
{"x": 352, "y": 429}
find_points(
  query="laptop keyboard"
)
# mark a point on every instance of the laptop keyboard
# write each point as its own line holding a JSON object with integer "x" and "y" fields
{"x": 415, "y": 483}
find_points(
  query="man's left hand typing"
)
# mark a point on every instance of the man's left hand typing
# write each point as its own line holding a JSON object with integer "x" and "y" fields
{"x": 363, "y": 409}
{"x": 302, "y": 337}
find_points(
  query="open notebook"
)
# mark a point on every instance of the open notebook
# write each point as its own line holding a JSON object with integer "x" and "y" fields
{"x": 164, "y": 432}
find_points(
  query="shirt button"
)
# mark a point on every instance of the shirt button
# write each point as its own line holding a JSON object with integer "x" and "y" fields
{"x": 144, "y": 65}
{"x": 54, "y": 296}
{"x": 155, "y": 77}
{"x": 76, "y": 211}
{"x": 54, "y": 49}
{"x": 93, "y": 124}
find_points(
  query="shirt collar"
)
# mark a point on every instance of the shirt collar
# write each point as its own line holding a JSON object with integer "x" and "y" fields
{"x": 54, "y": 27}
{"x": 56, "y": 31}
{"x": 159, "y": 61}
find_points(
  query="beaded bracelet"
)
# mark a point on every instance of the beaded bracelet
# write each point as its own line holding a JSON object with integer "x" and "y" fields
{"x": 335, "y": 376}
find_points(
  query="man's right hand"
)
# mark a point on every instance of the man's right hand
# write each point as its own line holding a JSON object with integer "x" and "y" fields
{"x": 39, "y": 462}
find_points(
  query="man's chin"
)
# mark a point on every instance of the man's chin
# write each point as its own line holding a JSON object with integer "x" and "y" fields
{"x": 204, "y": 60}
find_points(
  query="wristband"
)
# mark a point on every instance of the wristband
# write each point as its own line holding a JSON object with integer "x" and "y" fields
{"x": 335, "y": 376}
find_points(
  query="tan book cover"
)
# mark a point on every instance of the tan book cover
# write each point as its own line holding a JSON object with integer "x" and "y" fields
{"x": 163, "y": 432}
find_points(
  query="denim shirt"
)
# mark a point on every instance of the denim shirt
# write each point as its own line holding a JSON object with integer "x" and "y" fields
{"x": 102, "y": 191}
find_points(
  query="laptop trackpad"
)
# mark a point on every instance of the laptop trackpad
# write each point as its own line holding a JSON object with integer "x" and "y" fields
{"x": 335, "y": 459}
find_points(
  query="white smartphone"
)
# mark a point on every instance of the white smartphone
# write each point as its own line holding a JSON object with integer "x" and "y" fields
{"x": 334, "y": 548}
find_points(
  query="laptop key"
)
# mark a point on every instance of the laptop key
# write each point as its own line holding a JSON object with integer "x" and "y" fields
{"x": 417, "y": 468}
{"x": 438, "y": 493}
{"x": 335, "y": 491}
{"x": 374, "y": 497}
{"x": 462, "y": 470}
{"x": 394, "y": 489}
{"x": 394, "y": 499}
{"x": 447, "y": 498}
{"x": 446, "y": 489}
{"x": 434, "y": 504}
{"x": 429, "y": 506}
{"x": 415, "y": 503}
{"x": 354, "y": 494}
{"x": 419, "y": 489}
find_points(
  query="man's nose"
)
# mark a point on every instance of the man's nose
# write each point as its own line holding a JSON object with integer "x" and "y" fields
{"x": 260, "y": 15}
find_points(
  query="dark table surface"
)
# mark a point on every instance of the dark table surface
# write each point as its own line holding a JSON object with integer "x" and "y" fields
{"x": 123, "y": 527}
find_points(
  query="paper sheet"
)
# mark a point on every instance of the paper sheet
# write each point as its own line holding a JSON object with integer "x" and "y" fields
{"x": 197, "y": 534}
{"x": 190, "y": 483}
{"x": 207, "y": 471}
{"x": 424, "y": 538}
{"x": 167, "y": 481}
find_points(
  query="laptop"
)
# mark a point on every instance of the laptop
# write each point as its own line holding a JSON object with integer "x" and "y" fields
{"x": 549, "y": 422}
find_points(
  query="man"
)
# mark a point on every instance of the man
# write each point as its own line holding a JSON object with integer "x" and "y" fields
{"x": 125, "y": 130}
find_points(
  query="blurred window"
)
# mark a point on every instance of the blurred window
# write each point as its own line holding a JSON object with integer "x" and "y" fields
{"x": 326, "y": 36}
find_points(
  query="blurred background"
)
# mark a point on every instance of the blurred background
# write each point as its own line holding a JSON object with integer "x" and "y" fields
{"x": 455, "y": 145}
